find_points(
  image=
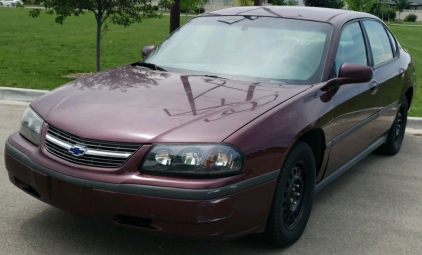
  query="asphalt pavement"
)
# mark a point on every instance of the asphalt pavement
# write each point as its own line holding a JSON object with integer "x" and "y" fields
{"x": 375, "y": 208}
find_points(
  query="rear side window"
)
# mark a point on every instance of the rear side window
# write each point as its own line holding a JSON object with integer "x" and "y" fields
{"x": 393, "y": 42}
{"x": 379, "y": 41}
{"x": 351, "y": 48}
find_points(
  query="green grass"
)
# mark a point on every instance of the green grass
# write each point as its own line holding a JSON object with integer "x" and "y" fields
{"x": 36, "y": 53}
{"x": 404, "y": 22}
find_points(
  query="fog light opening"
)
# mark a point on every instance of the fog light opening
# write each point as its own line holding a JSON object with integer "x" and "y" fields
{"x": 133, "y": 221}
{"x": 27, "y": 189}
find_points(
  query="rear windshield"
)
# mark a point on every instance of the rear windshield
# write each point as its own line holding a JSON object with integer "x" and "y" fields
{"x": 257, "y": 49}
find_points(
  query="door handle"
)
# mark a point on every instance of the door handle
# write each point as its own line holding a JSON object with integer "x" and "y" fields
{"x": 373, "y": 86}
{"x": 401, "y": 73}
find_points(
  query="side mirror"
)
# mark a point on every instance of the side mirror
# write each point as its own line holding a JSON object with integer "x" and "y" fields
{"x": 354, "y": 73}
{"x": 147, "y": 50}
{"x": 349, "y": 73}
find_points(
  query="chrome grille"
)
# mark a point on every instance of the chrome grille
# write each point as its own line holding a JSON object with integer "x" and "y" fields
{"x": 58, "y": 141}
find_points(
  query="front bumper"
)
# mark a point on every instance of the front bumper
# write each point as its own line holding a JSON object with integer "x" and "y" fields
{"x": 219, "y": 213}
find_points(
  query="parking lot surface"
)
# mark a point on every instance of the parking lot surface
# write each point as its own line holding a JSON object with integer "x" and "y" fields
{"x": 375, "y": 208}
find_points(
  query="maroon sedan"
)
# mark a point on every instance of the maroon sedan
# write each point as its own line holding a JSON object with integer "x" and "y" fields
{"x": 227, "y": 128}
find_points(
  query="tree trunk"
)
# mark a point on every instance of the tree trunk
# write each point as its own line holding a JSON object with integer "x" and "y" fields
{"x": 257, "y": 2}
{"x": 98, "y": 45}
{"x": 175, "y": 16}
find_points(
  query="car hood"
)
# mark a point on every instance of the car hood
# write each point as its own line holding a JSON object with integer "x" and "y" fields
{"x": 134, "y": 104}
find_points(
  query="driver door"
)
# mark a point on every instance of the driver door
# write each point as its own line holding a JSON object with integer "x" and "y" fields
{"x": 354, "y": 104}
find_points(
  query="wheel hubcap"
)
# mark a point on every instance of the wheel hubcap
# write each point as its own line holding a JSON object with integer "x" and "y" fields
{"x": 294, "y": 194}
{"x": 399, "y": 125}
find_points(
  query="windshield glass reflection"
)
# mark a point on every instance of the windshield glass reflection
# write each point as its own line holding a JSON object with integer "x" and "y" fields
{"x": 256, "y": 49}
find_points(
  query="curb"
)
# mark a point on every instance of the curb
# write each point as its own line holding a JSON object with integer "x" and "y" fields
{"x": 415, "y": 123}
{"x": 16, "y": 94}
{"x": 29, "y": 95}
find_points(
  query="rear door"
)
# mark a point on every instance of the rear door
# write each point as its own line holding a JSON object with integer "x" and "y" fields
{"x": 389, "y": 73}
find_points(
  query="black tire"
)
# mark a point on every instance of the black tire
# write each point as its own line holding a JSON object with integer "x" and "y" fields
{"x": 288, "y": 218}
{"x": 1, "y": 4}
{"x": 395, "y": 135}
{"x": 12, "y": 4}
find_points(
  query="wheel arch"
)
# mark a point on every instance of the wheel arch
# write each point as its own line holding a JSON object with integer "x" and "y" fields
{"x": 409, "y": 96}
{"x": 315, "y": 138}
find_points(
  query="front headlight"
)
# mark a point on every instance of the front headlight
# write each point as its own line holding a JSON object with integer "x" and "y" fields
{"x": 31, "y": 125}
{"x": 212, "y": 160}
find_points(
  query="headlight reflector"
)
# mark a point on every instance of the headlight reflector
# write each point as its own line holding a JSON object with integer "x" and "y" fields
{"x": 211, "y": 160}
{"x": 31, "y": 125}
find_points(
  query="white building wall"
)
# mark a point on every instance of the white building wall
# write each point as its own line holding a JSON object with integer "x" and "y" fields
{"x": 406, "y": 12}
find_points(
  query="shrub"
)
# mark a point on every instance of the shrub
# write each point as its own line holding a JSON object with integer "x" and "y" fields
{"x": 155, "y": 7}
{"x": 387, "y": 13}
{"x": 411, "y": 17}
{"x": 200, "y": 10}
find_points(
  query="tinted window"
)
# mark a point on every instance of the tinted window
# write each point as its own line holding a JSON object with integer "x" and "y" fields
{"x": 379, "y": 41}
{"x": 259, "y": 49}
{"x": 351, "y": 47}
{"x": 393, "y": 42}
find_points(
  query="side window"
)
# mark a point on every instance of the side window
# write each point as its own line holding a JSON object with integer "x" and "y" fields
{"x": 351, "y": 48}
{"x": 393, "y": 42}
{"x": 379, "y": 41}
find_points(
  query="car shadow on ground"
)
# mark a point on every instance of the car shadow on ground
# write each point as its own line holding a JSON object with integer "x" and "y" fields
{"x": 69, "y": 233}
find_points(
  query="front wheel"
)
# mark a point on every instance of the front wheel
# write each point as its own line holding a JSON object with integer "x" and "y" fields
{"x": 396, "y": 133}
{"x": 293, "y": 197}
{"x": 12, "y": 4}
{"x": 1, "y": 4}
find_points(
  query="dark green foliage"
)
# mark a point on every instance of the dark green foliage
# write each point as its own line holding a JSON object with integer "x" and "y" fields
{"x": 155, "y": 7}
{"x": 165, "y": 4}
{"x": 278, "y": 2}
{"x": 401, "y": 4}
{"x": 411, "y": 17}
{"x": 200, "y": 10}
{"x": 383, "y": 10}
{"x": 337, "y": 4}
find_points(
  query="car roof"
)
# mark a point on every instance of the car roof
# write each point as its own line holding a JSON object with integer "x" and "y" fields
{"x": 296, "y": 12}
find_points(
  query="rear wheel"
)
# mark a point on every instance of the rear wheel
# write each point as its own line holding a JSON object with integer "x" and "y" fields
{"x": 293, "y": 197}
{"x": 1, "y": 4}
{"x": 396, "y": 133}
{"x": 12, "y": 4}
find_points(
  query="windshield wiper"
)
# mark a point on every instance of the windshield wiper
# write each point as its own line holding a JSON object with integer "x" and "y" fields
{"x": 150, "y": 66}
{"x": 211, "y": 76}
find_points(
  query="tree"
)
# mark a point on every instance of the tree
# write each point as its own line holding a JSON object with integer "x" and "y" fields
{"x": 188, "y": 5}
{"x": 337, "y": 4}
{"x": 360, "y": 5}
{"x": 166, "y": 4}
{"x": 257, "y": 2}
{"x": 401, "y": 5}
{"x": 121, "y": 12}
{"x": 174, "y": 16}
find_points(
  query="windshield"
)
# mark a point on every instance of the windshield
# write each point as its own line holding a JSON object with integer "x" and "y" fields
{"x": 257, "y": 49}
